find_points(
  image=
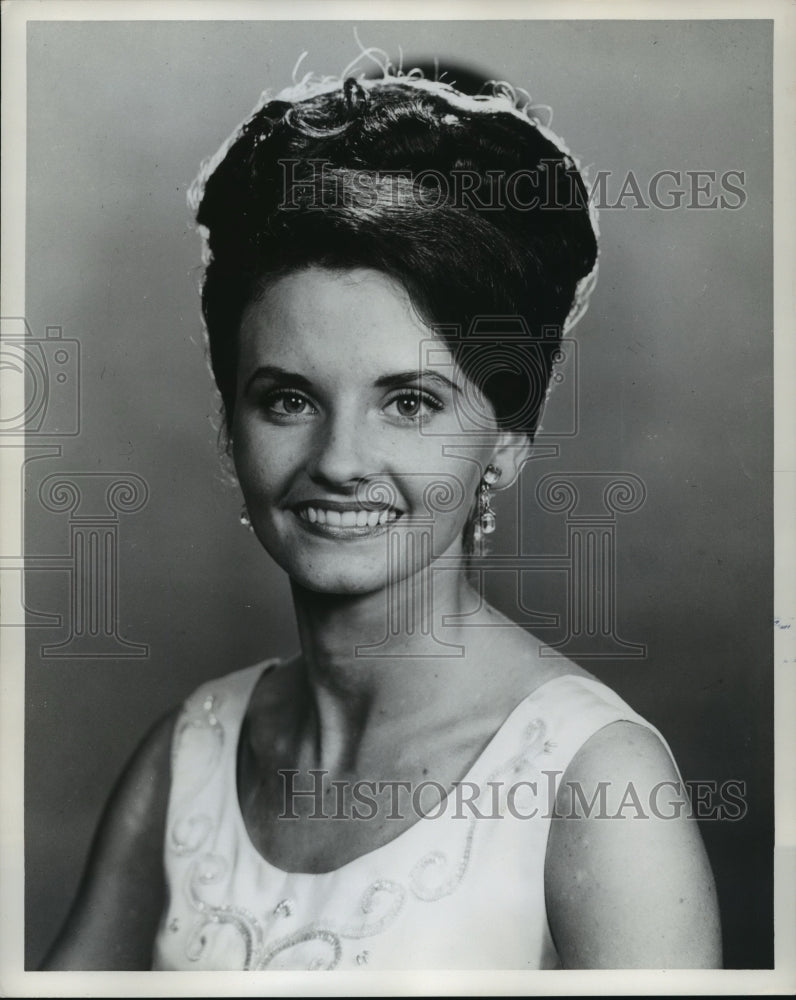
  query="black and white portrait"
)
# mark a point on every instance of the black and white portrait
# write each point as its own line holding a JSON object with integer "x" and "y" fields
{"x": 390, "y": 455}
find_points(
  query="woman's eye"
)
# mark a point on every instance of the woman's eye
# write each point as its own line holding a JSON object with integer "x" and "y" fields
{"x": 408, "y": 406}
{"x": 286, "y": 403}
{"x": 413, "y": 406}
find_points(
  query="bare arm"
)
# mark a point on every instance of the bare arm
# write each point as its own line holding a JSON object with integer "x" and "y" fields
{"x": 114, "y": 918}
{"x": 630, "y": 892}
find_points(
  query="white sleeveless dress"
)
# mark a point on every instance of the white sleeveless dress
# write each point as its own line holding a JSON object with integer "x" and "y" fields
{"x": 463, "y": 890}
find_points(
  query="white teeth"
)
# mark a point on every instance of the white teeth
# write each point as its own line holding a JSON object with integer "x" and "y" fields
{"x": 347, "y": 518}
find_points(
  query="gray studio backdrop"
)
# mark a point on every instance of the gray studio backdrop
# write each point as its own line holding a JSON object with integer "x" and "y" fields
{"x": 671, "y": 374}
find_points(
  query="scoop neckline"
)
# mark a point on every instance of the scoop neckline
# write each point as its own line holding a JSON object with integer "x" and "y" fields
{"x": 367, "y": 856}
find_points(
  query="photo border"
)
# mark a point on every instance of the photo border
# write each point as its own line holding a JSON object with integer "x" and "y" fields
{"x": 14, "y": 981}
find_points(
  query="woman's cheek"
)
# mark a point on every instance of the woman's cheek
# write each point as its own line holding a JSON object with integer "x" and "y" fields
{"x": 252, "y": 457}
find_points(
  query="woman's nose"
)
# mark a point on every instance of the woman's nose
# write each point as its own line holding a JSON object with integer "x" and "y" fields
{"x": 338, "y": 451}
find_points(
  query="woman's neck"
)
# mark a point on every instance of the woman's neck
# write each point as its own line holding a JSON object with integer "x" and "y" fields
{"x": 386, "y": 658}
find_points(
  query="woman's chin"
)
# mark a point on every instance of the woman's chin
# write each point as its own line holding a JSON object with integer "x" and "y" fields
{"x": 340, "y": 576}
{"x": 354, "y": 567}
{"x": 337, "y": 585}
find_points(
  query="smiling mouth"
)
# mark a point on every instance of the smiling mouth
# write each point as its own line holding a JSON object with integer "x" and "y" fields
{"x": 354, "y": 521}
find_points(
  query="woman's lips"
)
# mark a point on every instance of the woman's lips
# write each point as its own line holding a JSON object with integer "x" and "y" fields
{"x": 359, "y": 518}
{"x": 351, "y": 520}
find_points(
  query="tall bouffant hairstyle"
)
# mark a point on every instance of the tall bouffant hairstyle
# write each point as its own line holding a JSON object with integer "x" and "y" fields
{"x": 469, "y": 202}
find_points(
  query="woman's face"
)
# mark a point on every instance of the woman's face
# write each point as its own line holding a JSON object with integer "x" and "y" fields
{"x": 345, "y": 401}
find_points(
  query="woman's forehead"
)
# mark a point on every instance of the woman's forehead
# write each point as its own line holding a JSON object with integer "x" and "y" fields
{"x": 359, "y": 319}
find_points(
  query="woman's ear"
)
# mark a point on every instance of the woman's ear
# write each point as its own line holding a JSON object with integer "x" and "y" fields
{"x": 512, "y": 450}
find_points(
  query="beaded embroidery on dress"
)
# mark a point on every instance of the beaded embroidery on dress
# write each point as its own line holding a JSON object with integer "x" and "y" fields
{"x": 463, "y": 890}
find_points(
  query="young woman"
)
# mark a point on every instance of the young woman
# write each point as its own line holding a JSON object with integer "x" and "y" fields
{"x": 390, "y": 265}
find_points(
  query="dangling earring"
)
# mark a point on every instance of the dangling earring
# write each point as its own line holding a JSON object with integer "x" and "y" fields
{"x": 245, "y": 520}
{"x": 485, "y": 520}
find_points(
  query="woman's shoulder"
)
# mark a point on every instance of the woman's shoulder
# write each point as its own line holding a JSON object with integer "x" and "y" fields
{"x": 610, "y": 734}
{"x": 590, "y": 723}
{"x": 113, "y": 920}
{"x": 628, "y": 883}
{"x": 627, "y": 880}
{"x": 528, "y": 668}
{"x": 231, "y": 692}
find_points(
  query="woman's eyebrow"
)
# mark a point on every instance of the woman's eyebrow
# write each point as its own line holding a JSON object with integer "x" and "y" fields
{"x": 404, "y": 378}
{"x": 278, "y": 374}
{"x": 395, "y": 380}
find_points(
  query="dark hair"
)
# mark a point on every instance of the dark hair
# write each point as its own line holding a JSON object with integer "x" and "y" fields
{"x": 470, "y": 203}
